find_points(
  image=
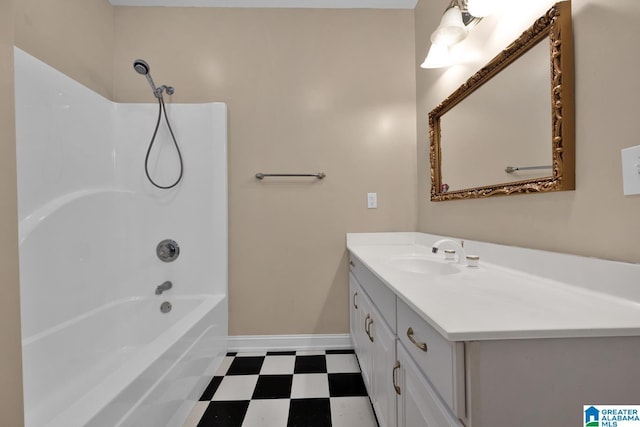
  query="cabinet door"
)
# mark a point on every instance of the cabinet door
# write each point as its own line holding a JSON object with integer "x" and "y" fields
{"x": 354, "y": 310}
{"x": 418, "y": 403}
{"x": 360, "y": 318}
{"x": 383, "y": 396}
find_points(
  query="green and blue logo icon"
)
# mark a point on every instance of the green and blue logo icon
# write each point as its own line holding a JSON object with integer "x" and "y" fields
{"x": 592, "y": 417}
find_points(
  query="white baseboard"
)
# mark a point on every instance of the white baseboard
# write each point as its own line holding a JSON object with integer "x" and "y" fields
{"x": 249, "y": 343}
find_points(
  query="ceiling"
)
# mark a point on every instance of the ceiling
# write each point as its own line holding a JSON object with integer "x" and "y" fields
{"x": 321, "y": 4}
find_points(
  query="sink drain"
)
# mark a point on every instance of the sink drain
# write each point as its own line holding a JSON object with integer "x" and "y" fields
{"x": 165, "y": 307}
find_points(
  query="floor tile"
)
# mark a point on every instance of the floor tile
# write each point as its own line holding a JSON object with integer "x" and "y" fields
{"x": 278, "y": 365}
{"x": 339, "y": 363}
{"x": 224, "y": 414}
{"x": 251, "y": 353}
{"x": 285, "y": 389}
{"x": 309, "y": 413}
{"x": 345, "y": 351}
{"x": 246, "y": 365}
{"x": 352, "y": 412}
{"x": 311, "y": 352}
{"x": 310, "y": 364}
{"x": 211, "y": 388}
{"x": 267, "y": 413}
{"x": 224, "y": 366}
{"x": 273, "y": 387}
{"x": 310, "y": 385}
{"x": 196, "y": 414}
{"x": 236, "y": 387}
{"x": 349, "y": 384}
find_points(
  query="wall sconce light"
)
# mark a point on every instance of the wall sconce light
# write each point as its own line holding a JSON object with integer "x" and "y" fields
{"x": 454, "y": 27}
{"x": 451, "y": 29}
{"x": 437, "y": 57}
{"x": 481, "y": 8}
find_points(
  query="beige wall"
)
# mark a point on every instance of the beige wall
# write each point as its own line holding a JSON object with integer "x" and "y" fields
{"x": 307, "y": 90}
{"x": 10, "y": 341}
{"x": 73, "y": 36}
{"x": 595, "y": 219}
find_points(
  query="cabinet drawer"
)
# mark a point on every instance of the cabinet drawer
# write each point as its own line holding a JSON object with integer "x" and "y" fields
{"x": 443, "y": 360}
{"x": 381, "y": 296}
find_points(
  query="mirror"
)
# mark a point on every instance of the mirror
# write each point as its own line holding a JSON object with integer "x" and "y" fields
{"x": 500, "y": 135}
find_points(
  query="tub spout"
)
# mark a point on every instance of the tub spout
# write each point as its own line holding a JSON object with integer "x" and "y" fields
{"x": 164, "y": 287}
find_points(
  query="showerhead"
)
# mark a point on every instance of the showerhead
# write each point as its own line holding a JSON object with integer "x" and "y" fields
{"x": 141, "y": 66}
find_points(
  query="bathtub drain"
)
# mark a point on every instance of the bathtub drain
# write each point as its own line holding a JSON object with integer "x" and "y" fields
{"x": 165, "y": 307}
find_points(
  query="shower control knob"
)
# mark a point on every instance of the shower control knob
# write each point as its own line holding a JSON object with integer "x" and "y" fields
{"x": 168, "y": 250}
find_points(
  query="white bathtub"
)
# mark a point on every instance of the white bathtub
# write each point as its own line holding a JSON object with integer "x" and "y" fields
{"x": 97, "y": 351}
{"x": 112, "y": 372}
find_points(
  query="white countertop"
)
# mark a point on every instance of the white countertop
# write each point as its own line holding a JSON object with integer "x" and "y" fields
{"x": 494, "y": 301}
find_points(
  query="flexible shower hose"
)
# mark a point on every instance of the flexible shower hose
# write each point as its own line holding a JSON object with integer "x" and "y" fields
{"x": 161, "y": 110}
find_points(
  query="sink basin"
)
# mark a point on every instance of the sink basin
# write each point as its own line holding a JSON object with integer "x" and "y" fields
{"x": 421, "y": 264}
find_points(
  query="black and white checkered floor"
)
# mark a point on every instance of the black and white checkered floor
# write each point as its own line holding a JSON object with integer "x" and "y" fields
{"x": 286, "y": 389}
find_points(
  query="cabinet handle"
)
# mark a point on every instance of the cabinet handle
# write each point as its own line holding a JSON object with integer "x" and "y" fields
{"x": 393, "y": 378}
{"x": 352, "y": 264}
{"x": 421, "y": 345}
{"x": 355, "y": 294}
{"x": 366, "y": 324}
{"x": 369, "y": 330}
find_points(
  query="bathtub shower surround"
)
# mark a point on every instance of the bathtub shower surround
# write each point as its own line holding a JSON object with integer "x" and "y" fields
{"x": 97, "y": 349}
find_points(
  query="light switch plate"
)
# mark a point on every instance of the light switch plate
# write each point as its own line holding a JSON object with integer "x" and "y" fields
{"x": 631, "y": 170}
{"x": 372, "y": 200}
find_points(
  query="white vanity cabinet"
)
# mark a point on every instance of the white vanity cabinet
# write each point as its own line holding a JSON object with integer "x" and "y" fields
{"x": 414, "y": 376}
{"x": 417, "y": 378}
{"x": 386, "y": 362}
{"x": 375, "y": 345}
{"x": 496, "y": 346}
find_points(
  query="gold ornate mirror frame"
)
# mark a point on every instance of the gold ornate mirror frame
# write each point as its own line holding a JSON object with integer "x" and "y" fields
{"x": 556, "y": 26}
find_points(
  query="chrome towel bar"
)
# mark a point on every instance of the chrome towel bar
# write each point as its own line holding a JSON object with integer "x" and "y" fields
{"x": 511, "y": 169}
{"x": 319, "y": 175}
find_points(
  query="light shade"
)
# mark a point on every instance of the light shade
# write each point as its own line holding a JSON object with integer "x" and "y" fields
{"x": 437, "y": 57}
{"x": 451, "y": 29}
{"x": 480, "y": 8}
